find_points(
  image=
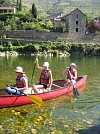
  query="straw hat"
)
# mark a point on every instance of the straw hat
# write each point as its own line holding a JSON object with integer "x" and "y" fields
{"x": 46, "y": 64}
{"x": 19, "y": 70}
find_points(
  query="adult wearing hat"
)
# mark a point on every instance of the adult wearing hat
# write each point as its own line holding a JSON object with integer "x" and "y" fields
{"x": 71, "y": 74}
{"x": 45, "y": 80}
{"x": 21, "y": 82}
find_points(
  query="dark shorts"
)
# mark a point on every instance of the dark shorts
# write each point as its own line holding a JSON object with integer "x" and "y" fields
{"x": 44, "y": 85}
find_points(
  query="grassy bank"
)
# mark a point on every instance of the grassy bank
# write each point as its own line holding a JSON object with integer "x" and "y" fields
{"x": 54, "y": 48}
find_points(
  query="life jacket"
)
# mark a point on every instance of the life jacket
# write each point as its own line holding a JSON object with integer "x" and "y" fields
{"x": 19, "y": 82}
{"x": 72, "y": 72}
{"x": 44, "y": 78}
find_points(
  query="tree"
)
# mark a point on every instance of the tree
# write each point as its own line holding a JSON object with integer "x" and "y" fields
{"x": 17, "y": 5}
{"x": 34, "y": 11}
{"x": 94, "y": 26}
{"x": 5, "y": 2}
{"x": 20, "y": 5}
{"x": 2, "y": 2}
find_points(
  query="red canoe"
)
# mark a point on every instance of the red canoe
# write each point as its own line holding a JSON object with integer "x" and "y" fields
{"x": 57, "y": 89}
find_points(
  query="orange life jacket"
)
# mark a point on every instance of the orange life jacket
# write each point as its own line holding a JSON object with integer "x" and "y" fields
{"x": 44, "y": 78}
{"x": 19, "y": 82}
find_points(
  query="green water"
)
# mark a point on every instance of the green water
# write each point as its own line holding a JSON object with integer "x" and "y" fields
{"x": 63, "y": 115}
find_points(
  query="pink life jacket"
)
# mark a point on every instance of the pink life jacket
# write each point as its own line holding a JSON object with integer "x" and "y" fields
{"x": 72, "y": 73}
{"x": 44, "y": 78}
{"x": 19, "y": 82}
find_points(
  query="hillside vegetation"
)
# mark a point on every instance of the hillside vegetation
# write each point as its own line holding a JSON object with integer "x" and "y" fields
{"x": 89, "y": 7}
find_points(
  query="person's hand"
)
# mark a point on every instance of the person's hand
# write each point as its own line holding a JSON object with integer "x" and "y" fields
{"x": 49, "y": 86}
{"x": 36, "y": 59}
{"x": 71, "y": 77}
{"x": 7, "y": 85}
{"x": 16, "y": 88}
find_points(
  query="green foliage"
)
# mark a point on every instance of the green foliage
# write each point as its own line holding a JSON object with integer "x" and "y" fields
{"x": 18, "y": 43}
{"x": 20, "y": 14}
{"x": 5, "y": 16}
{"x": 36, "y": 47}
{"x": 2, "y": 25}
{"x": 50, "y": 47}
{"x": 20, "y": 5}
{"x": 5, "y": 2}
{"x": 48, "y": 24}
{"x": 3, "y": 36}
{"x": 54, "y": 52}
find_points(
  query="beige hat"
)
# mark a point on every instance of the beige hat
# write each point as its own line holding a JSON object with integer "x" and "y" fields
{"x": 73, "y": 64}
{"x": 46, "y": 64}
{"x": 19, "y": 70}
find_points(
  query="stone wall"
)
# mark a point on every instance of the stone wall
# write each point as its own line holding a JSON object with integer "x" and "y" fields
{"x": 33, "y": 35}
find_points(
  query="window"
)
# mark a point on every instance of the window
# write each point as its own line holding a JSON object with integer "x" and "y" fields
{"x": 76, "y": 15}
{"x": 76, "y": 22}
{"x": 77, "y": 30}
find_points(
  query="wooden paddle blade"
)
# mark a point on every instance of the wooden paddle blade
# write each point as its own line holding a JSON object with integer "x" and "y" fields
{"x": 36, "y": 99}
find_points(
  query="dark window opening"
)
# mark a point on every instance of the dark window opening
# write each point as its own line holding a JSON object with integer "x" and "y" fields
{"x": 76, "y": 29}
{"x": 77, "y": 15}
{"x": 76, "y": 22}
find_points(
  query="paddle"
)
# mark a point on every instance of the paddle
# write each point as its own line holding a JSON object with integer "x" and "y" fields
{"x": 33, "y": 70}
{"x": 75, "y": 91}
{"x": 35, "y": 99}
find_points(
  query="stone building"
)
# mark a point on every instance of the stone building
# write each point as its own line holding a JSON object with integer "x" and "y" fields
{"x": 75, "y": 22}
{"x": 7, "y": 9}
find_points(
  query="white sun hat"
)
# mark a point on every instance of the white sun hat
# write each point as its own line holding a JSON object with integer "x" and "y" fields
{"x": 46, "y": 64}
{"x": 19, "y": 70}
{"x": 73, "y": 64}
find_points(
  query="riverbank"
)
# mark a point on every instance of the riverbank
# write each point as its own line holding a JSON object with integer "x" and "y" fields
{"x": 49, "y": 48}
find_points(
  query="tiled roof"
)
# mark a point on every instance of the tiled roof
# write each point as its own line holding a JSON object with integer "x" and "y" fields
{"x": 7, "y": 8}
{"x": 61, "y": 16}
{"x": 53, "y": 16}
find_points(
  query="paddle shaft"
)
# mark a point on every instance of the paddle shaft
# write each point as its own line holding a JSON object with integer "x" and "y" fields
{"x": 33, "y": 69}
{"x": 33, "y": 73}
{"x": 75, "y": 91}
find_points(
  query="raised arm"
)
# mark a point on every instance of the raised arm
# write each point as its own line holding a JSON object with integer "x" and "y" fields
{"x": 37, "y": 65}
{"x": 65, "y": 71}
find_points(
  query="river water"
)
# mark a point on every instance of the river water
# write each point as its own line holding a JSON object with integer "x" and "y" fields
{"x": 63, "y": 115}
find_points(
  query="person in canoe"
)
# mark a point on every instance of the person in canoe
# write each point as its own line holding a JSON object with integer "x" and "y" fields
{"x": 21, "y": 83}
{"x": 45, "y": 80}
{"x": 71, "y": 74}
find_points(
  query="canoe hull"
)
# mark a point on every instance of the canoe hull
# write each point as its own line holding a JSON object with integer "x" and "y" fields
{"x": 10, "y": 101}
